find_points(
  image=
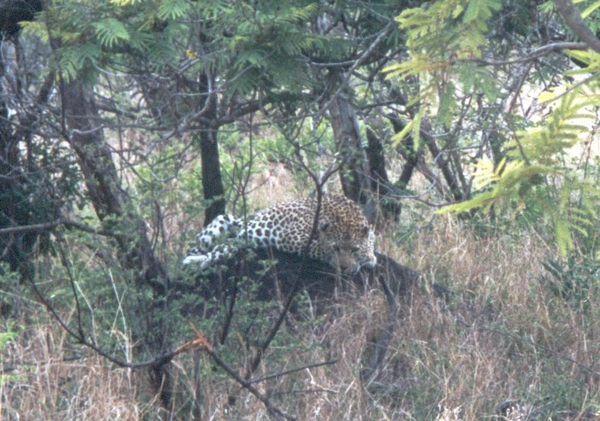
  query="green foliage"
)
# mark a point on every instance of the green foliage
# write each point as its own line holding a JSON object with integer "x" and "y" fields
{"x": 536, "y": 175}
{"x": 439, "y": 36}
{"x": 35, "y": 28}
{"x": 10, "y": 335}
{"x": 110, "y": 31}
{"x": 590, "y": 11}
{"x": 575, "y": 281}
{"x": 5, "y": 338}
{"x": 236, "y": 322}
{"x": 266, "y": 54}
{"x": 548, "y": 142}
{"x": 86, "y": 34}
{"x": 74, "y": 60}
{"x": 267, "y": 45}
{"x": 172, "y": 9}
{"x": 510, "y": 182}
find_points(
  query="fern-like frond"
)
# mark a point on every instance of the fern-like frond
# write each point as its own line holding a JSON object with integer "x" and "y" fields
{"x": 590, "y": 9}
{"x": 71, "y": 60}
{"x": 509, "y": 181}
{"x": 110, "y": 32}
{"x": 35, "y": 28}
{"x": 486, "y": 173}
{"x": 439, "y": 35}
{"x": 412, "y": 128}
{"x": 173, "y": 9}
{"x": 160, "y": 51}
{"x": 300, "y": 14}
{"x": 549, "y": 141}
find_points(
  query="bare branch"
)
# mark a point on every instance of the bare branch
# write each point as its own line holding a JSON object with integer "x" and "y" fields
{"x": 357, "y": 63}
{"x": 50, "y": 225}
{"x": 293, "y": 370}
{"x": 203, "y": 342}
{"x": 537, "y": 53}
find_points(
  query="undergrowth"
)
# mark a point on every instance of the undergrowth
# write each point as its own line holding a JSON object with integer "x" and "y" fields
{"x": 486, "y": 337}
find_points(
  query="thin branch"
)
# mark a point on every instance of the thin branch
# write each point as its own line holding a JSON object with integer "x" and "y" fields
{"x": 357, "y": 63}
{"x": 293, "y": 370}
{"x": 201, "y": 341}
{"x": 546, "y": 49}
{"x": 50, "y": 225}
{"x": 28, "y": 228}
{"x": 571, "y": 89}
{"x": 80, "y": 339}
{"x": 10, "y": 369}
{"x": 385, "y": 337}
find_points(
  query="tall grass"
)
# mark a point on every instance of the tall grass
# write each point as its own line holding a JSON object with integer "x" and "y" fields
{"x": 44, "y": 377}
{"x": 482, "y": 340}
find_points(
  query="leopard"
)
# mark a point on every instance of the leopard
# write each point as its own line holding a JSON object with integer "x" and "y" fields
{"x": 342, "y": 238}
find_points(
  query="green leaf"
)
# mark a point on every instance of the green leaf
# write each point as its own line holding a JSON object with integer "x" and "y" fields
{"x": 590, "y": 9}
{"x": 110, "y": 31}
{"x": 173, "y": 9}
{"x": 447, "y": 104}
{"x": 399, "y": 137}
{"x": 122, "y": 3}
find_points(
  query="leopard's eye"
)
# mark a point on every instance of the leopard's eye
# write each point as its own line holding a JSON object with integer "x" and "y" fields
{"x": 336, "y": 247}
{"x": 354, "y": 249}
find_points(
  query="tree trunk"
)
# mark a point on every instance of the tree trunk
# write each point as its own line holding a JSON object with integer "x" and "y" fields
{"x": 103, "y": 185}
{"x": 380, "y": 183}
{"x": 112, "y": 206}
{"x": 407, "y": 150}
{"x": 18, "y": 204}
{"x": 456, "y": 193}
{"x": 212, "y": 181}
{"x": 355, "y": 167}
{"x": 13, "y": 208}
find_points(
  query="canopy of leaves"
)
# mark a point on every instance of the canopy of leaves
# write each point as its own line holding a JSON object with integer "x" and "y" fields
{"x": 537, "y": 167}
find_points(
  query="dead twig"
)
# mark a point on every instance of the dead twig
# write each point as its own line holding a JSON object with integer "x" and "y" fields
{"x": 202, "y": 342}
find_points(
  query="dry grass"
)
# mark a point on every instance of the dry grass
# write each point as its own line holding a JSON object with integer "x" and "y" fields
{"x": 38, "y": 384}
{"x": 495, "y": 345}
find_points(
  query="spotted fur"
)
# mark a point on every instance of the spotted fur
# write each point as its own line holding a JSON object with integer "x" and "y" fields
{"x": 343, "y": 236}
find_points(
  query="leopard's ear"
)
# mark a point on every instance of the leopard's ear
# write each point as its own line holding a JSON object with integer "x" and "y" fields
{"x": 324, "y": 226}
{"x": 366, "y": 229}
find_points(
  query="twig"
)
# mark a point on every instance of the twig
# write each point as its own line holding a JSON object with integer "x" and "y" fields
{"x": 49, "y": 225}
{"x": 534, "y": 54}
{"x": 571, "y": 89}
{"x": 9, "y": 369}
{"x": 202, "y": 342}
{"x": 385, "y": 337}
{"x": 319, "y": 183}
{"x": 160, "y": 360}
{"x": 357, "y": 63}
{"x": 293, "y": 370}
